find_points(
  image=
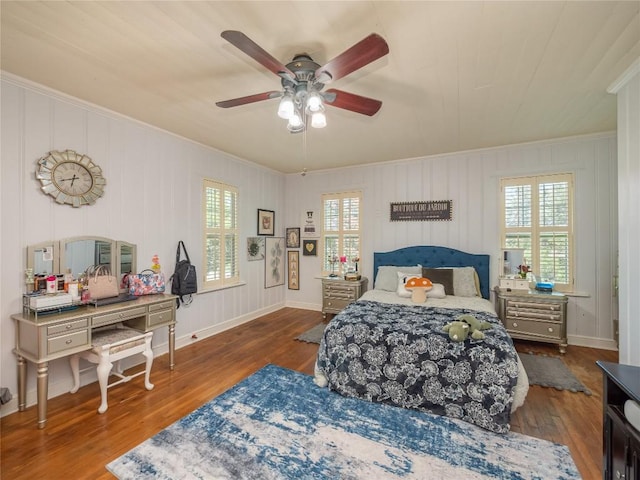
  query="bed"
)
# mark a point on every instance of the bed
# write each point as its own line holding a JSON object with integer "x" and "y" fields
{"x": 385, "y": 348}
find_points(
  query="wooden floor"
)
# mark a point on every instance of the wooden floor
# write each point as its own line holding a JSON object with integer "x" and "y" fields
{"x": 78, "y": 442}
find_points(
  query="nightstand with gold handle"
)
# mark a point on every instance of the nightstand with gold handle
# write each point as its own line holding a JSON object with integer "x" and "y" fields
{"x": 338, "y": 293}
{"x": 530, "y": 315}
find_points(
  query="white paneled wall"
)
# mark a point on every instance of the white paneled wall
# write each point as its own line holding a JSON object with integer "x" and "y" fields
{"x": 471, "y": 180}
{"x": 152, "y": 199}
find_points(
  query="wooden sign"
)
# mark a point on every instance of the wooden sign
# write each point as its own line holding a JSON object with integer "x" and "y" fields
{"x": 416, "y": 211}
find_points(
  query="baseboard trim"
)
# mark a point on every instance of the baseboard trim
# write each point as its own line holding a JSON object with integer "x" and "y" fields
{"x": 592, "y": 342}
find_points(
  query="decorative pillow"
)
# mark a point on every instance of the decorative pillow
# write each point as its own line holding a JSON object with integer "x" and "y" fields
{"x": 443, "y": 276}
{"x": 436, "y": 292}
{"x": 387, "y": 277}
{"x": 403, "y": 277}
{"x": 464, "y": 282}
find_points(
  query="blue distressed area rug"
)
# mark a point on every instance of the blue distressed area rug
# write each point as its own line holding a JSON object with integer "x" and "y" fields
{"x": 277, "y": 424}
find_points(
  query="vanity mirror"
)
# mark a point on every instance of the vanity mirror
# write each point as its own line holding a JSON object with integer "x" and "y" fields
{"x": 79, "y": 253}
{"x": 42, "y": 258}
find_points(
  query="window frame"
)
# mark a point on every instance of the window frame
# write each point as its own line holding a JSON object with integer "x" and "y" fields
{"x": 536, "y": 230}
{"x": 223, "y": 232}
{"x": 341, "y": 233}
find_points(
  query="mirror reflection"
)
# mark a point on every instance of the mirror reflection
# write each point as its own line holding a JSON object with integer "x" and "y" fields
{"x": 512, "y": 258}
{"x": 125, "y": 260}
{"x": 41, "y": 259}
{"x": 80, "y": 254}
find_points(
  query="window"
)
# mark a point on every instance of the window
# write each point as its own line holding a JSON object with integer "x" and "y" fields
{"x": 221, "y": 237}
{"x": 340, "y": 228}
{"x": 537, "y": 215}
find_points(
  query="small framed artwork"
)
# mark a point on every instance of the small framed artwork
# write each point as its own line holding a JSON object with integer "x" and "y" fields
{"x": 310, "y": 248}
{"x": 274, "y": 262}
{"x": 293, "y": 238}
{"x": 293, "y": 269}
{"x": 266, "y": 222}
{"x": 255, "y": 248}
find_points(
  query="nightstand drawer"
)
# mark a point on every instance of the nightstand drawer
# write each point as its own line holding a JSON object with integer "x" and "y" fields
{"x": 532, "y": 314}
{"x": 335, "y": 304}
{"x": 533, "y": 327}
{"x": 340, "y": 294}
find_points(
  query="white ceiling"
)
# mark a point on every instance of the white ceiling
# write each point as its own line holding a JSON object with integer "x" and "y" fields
{"x": 459, "y": 75}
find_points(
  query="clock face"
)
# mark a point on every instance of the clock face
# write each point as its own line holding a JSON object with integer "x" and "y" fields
{"x": 70, "y": 178}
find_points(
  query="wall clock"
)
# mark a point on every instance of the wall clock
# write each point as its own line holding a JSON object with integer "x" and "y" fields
{"x": 71, "y": 178}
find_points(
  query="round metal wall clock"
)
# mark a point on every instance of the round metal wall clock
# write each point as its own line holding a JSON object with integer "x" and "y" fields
{"x": 71, "y": 178}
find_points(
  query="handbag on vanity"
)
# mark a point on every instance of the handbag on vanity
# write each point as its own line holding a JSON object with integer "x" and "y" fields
{"x": 101, "y": 283}
{"x": 147, "y": 282}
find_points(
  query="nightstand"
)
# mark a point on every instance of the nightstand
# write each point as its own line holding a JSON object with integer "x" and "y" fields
{"x": 337, "y": 293}
{"x": 532, "y": 315}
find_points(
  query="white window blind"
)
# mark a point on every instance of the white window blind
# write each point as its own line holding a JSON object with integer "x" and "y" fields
{"x": 341, "y": 230}
{"x": 537, "y": 215}
{"x": 220, "y": 235}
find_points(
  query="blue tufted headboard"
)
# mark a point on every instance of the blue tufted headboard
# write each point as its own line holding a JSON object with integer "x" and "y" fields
{"x": 429, "y": 256}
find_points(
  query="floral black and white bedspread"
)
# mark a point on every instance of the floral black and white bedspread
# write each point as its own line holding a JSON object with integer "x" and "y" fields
{"x": 399, "y": 355}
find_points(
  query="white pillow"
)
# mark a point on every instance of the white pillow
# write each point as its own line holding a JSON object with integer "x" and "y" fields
{"x": 387, "y": 277}
{"x": 436, "y": 292}
{"x": 403, "y": 278}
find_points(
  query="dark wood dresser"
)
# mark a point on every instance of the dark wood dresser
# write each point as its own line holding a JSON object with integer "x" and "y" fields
{"x": 621, "y": 441}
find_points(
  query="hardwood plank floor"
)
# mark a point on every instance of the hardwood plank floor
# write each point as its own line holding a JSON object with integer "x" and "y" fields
{"x": 78, "y": 442}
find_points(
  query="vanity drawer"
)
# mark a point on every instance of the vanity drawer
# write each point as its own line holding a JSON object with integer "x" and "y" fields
{"x": 161, "y": 317}
{"x": 67, "y": 327}
{"x": 67, "y": 342}
{"x": 533, "y": 327}
{"x": 116, "y": 317}
{"x": 161, "y": 306}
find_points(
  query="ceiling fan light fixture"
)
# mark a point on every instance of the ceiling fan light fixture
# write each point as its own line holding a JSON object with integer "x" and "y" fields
{"x": 318, "y": 119}
{"x": 286, "y": 108}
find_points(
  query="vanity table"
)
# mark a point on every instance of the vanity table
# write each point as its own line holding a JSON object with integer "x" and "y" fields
{"x": 42, "y": 338}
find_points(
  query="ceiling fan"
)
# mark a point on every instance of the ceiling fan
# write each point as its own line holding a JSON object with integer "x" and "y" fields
{"x": 303, "y": 80}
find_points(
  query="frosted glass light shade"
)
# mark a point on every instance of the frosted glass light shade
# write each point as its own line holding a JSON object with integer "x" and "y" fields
{"x": 318, "y": 120}
{"x": 314, "y": 102}
{"x": 285, "y": 109}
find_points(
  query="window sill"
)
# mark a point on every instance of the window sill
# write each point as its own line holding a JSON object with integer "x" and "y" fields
{"x": 223, "y": 287}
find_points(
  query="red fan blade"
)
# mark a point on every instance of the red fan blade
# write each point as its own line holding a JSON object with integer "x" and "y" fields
{"x": 359, "y": 55}
{"x": 353, "y": 102}
{"x": 248, "y": 46}
{"x": 249, "y": 99}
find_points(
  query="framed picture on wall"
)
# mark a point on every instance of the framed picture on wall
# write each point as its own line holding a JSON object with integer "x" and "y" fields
{"x": 310, "y": 248}
{"x": 266, "y": 222}
{"x": 293, "y": 269}
{"x": 274, "y": 262}
{"x": 293, "y": 238}
{"x": 255, "y": 248}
